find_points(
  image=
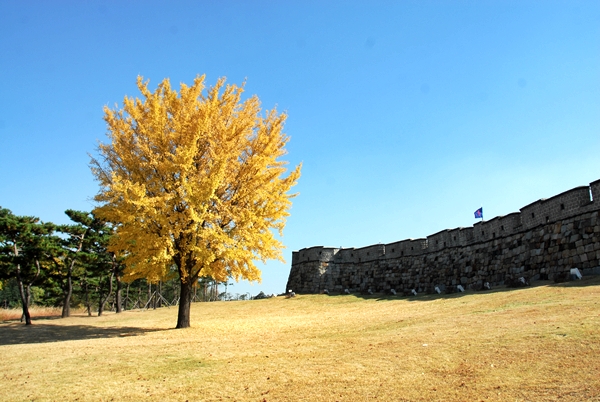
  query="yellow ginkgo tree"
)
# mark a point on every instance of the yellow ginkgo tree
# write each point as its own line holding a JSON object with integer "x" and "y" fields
{"x": 194, "y": 180}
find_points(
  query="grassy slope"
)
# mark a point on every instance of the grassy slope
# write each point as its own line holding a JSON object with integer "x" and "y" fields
{"x": 539, "y": 343}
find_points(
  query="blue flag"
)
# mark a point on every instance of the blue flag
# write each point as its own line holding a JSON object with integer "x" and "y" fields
{"x": 479, "y": 213}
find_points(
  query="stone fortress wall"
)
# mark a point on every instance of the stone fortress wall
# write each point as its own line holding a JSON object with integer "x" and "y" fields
{"x": 545, "y": 240}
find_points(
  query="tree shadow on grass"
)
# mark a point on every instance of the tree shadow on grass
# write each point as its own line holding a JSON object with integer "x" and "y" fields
{"x": 588, "y": 280}
{"x": 18, "y": 333}
{"x": 591, "y": 280}
{"x": 389, "y": 297}
{"x": 423, "y": 296}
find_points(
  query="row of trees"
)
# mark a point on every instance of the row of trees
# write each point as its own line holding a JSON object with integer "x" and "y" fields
{"x": 53, "y": 257}
{"x": 70, "y": 265}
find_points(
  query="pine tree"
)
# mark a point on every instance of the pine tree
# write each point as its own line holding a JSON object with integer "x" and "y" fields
{"x": 24, "y": 252}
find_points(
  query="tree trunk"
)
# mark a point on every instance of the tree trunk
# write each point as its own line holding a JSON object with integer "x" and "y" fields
{"x": 88, "y": 304}
{"x": 22, "y": 294}
{"x": 185, "y": 301}
{"x": 100, "y": 298}
{"x": 126, "y": 297}
{"x": 25, "y": 292}
{"x": 68, "y": 292}
{"x": 118, "y": 300}
{"x": 24, "y": 298}
{"x": 159, "y": 294}
{"x": 66, "y": 310}
{"x": 174, "y": 292}
{"x": 102, "y": 301}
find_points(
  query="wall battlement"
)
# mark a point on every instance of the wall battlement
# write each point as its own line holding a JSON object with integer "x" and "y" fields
{"x": 317, "y": 268}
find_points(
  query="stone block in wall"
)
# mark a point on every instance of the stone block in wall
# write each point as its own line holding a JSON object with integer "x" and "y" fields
{"x": 595, "y": 190}
{"x": 591, "y": 271}
{"x": 455, "y": 238}
{"x": 531, "y": 215}
{"x": 494, "y": 228}
{"x": 370, "y": 253}
{"x": 318, "y": 253}
{"x": 398, "y": 249}
{"x": 346, "y": 255}
{"x": 439, "y": 240}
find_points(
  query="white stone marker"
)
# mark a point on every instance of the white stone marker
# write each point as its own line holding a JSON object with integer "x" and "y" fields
{"x": 575, "y": 271}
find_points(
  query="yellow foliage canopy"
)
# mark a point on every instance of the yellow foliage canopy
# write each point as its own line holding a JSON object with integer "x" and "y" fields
{"x": 193, "y": 178}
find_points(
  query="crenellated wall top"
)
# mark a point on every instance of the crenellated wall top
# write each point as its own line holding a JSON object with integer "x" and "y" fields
{"x": 566, "y": 204}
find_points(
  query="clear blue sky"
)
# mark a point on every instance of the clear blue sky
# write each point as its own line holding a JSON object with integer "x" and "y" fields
{"x": 407, "y": 115}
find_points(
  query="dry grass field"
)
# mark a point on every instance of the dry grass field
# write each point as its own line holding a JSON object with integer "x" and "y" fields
{"x": 35, "y": 312}
{"x": 532, "y": 344}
